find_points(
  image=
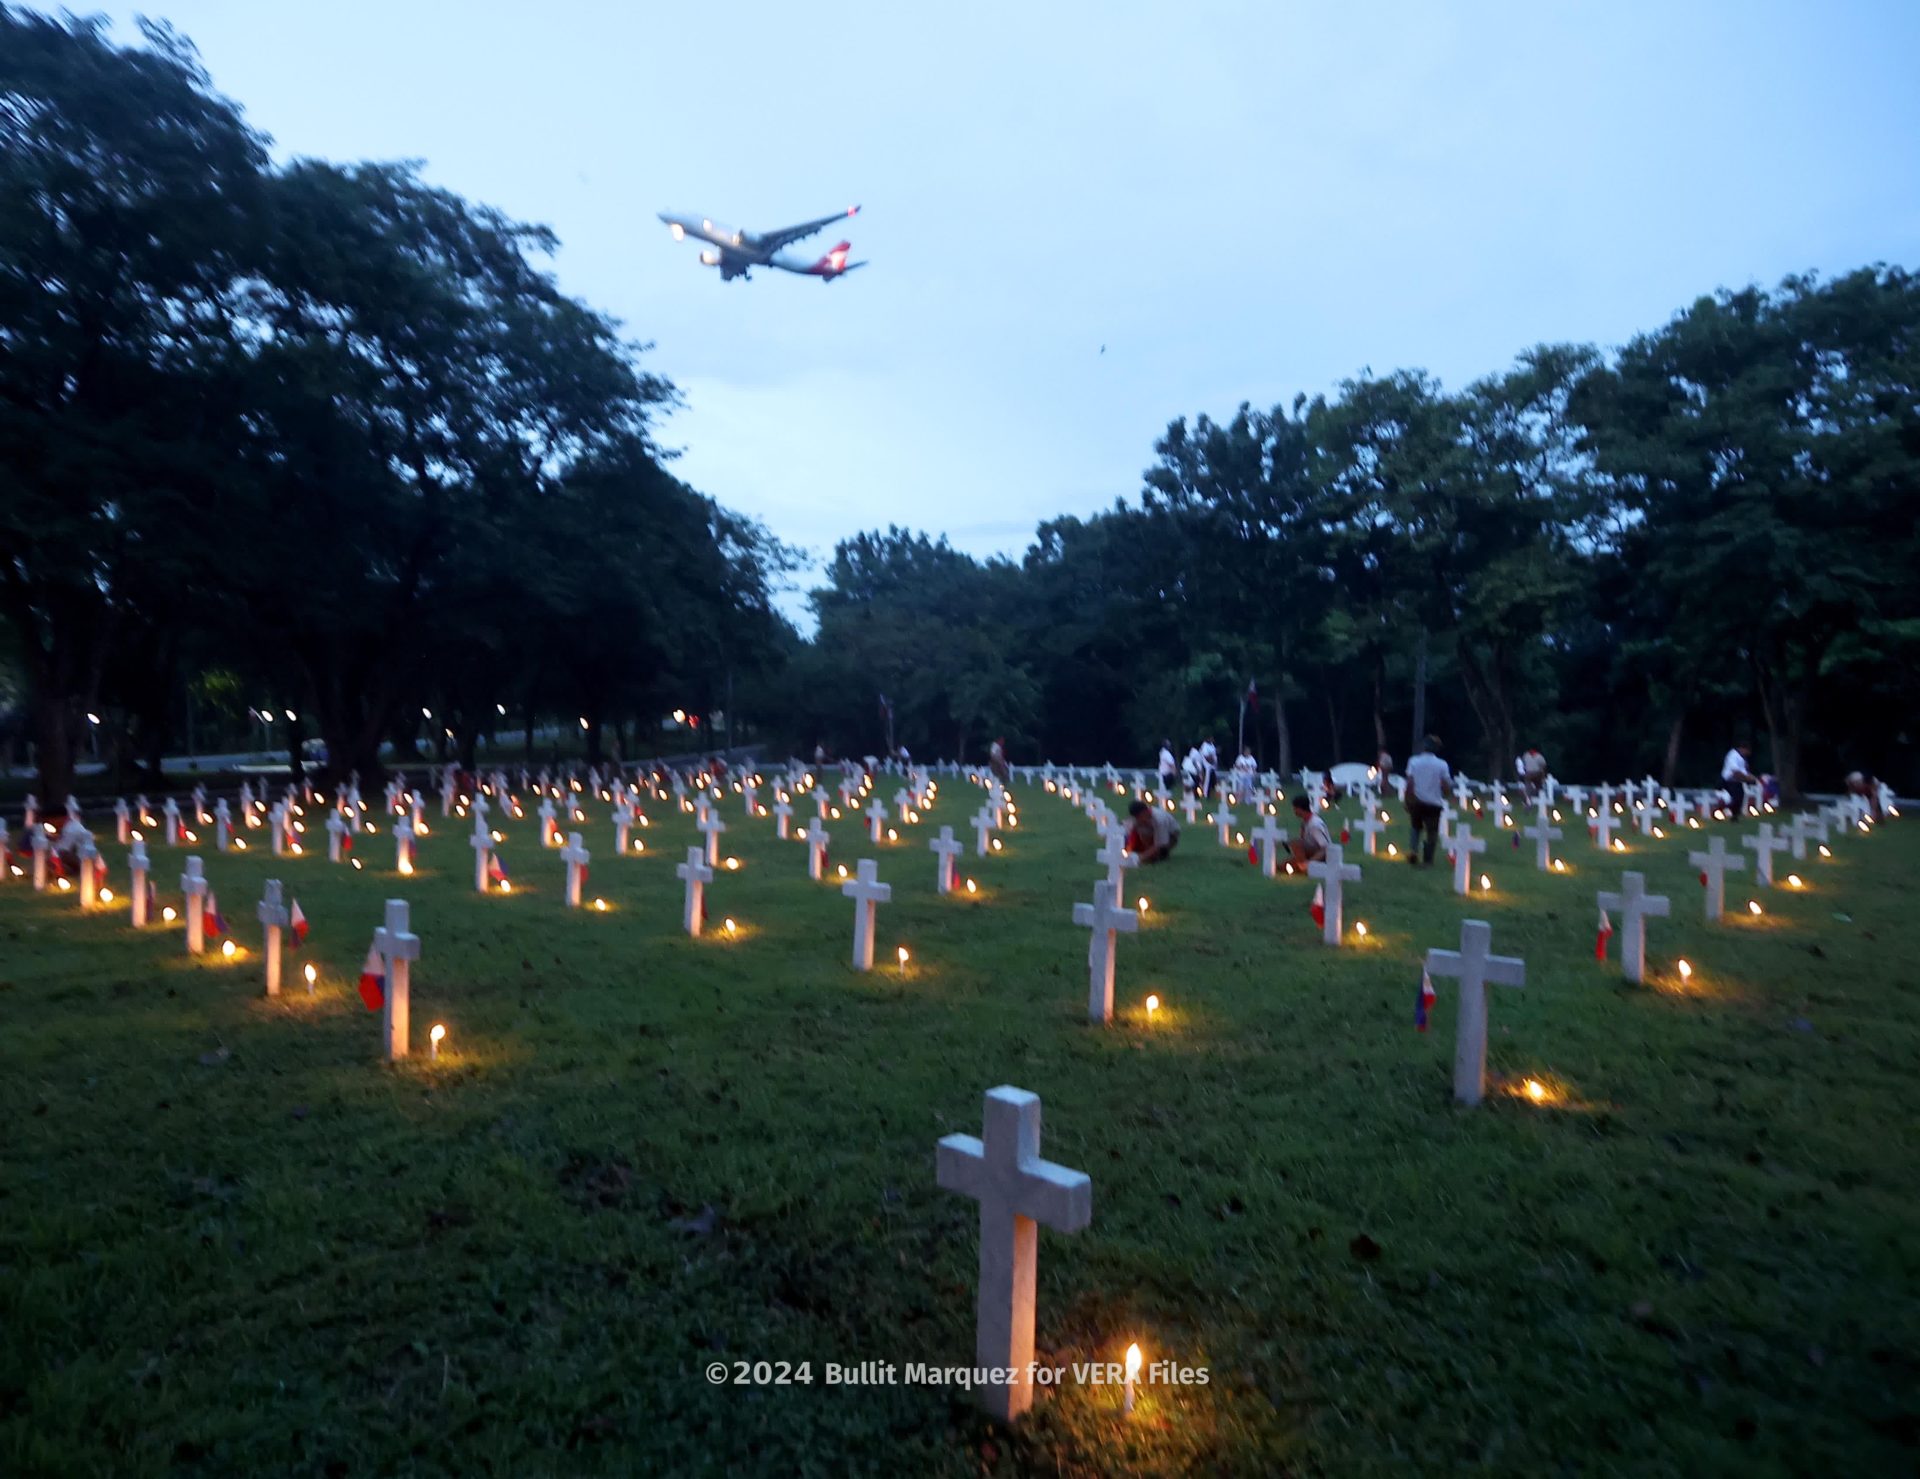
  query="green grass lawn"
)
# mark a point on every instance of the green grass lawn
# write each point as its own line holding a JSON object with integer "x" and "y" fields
{"x": 234, "y": 1241}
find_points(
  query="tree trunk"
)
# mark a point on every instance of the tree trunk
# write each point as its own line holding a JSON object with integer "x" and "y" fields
{"x": 1282, "y": 740}
{"x": 593, "y": 739}
{"x": 1379, "y": 705}
{"x": 53, "y": 749}
{"x": 1671, "y": 767}
{"x": 1333, "y": 728}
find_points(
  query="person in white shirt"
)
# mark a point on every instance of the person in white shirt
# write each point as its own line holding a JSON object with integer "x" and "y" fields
{"x": 1209, "y": 766}
{"x": 1169, "y": 768}
{"x": 1427, "y": 779}
{"x": 1243, "y": 770}
{"x": 1735, "y": 776}
{"x": 1191, "y": 770}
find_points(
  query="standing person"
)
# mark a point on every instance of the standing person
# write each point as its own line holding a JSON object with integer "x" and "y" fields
{"x": 1736, "y": 774}
{"x": 1314, "y": 839}
{"x": 1383, "y": 766}
{"x": 1152, "y": 834}
{"x": 1427, "y": 779}
{"x": 1169, "y": 768}
{"x": 1532, "y": 771}
{"x": 1244, "y": 769}
{"x": 997, "y": 762}
{"x": 1190, "y": 769}
{"x": 1209, "y": 764}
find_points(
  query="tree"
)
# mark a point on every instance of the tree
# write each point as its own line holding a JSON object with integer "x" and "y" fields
{"x": 130, "y": 189}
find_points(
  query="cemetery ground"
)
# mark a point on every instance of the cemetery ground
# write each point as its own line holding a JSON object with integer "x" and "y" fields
{"x": 232, "y": 1240}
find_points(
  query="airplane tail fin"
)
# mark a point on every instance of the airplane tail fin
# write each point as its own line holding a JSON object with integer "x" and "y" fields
{"x": 835, "y": 262}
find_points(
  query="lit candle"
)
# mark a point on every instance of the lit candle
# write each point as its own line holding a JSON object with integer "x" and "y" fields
{"x": 731, "y": 927}
{"x": 601, "y": 905}
{"x": 1753, "y": 907}
{"x": 902, "y": 953}
{"x": 312, "y": 976}
{"x": 1536, "y": 1091}
{"x": 1486, "y": 883}
{"x": 1360, "y": 928}
{"x": 1153, "y": 1005}
{"x": 1686, "y": 971}
{"x": 434, "y": 1038}
{"x": 1133, "y": 1370}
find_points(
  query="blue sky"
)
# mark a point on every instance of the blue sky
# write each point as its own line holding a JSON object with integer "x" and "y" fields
{"x": 1238, "y": 201}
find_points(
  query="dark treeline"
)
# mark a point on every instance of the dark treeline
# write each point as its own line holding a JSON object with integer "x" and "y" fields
{"x": 327, "y": 439}
{"x": 321, "y": 436}
{"x": 1630, "y": 561}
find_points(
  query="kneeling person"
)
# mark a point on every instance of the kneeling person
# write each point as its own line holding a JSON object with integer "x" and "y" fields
{"x": 1153, "y": 833}
{"x": 1314, "y": 839}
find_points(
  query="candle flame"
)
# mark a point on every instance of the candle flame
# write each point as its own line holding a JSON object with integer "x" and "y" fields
{"x": 902, "y": 953}
{"x": 168, "y": 914}
{"x": 972, "y": 887}
{"x": 601, "y": 905}
{"x": 229, "y": 949}
{"x": 1686, "y": 971}
{"x": 731, "y": 927}
{"x": 1133, "y": 1361}
{"x": 311, "y": 973}
{"x": 1153, "y": 1005}
{"x": 1795, "y": 881}
{"x": 1485, "y": 883}
{"x": 106, "y": 896}
{"x": 1536, "y": 1091}
{"x": 1360, "y": 929}
{"x": 1753, "y": 907}
{"x": 438, "y": 1034}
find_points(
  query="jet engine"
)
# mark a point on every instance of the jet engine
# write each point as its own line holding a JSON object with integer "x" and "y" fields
{"x": 709, "y": 259}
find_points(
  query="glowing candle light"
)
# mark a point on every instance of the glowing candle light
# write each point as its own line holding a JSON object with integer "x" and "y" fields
{"x": 1360, "y": 928}
{"x": 1794, "y": 880}
{"x": 1153, "y": 1005}
{"x": 356, "y": 864}
{"x": 1486, "y": 883}
{"x": 1753, "y": 907}
{"x": 229, "y": 949}
{"x": 168, "y": 914}
{"x": 902, "y": 953}
{"x": 996, "y": 844}
{"x": 730, "y": 927}
{"x": 436, "y": 1037}
{"x": 1536, "y": 1091}
{"x": 601, "y": 905}
{"x": 1686, "y": 971}
{"x": 1618, "y": 845}
{"x": 1133, "y": 1370}
{"x": 63, "y": 885}
{"x": 1559, "y": 865}
{"x": 733, "y": 865}
{"x": 239, "y": 844}
{"x": 106, "y": 896}
{"x": 1141, "y": 905}
{"x": 972, "y": 887}
{"x": 1392, "y": 852}
{"x": 506, "y": 885}
{"x": 312, "y": 974}
{"x": 1825, "y": 851}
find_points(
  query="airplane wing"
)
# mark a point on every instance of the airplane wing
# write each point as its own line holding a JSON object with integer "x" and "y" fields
{"x": 772, "y": 241}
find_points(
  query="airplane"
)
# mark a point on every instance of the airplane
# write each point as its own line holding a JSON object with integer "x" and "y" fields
{"x": 735, "y": 253}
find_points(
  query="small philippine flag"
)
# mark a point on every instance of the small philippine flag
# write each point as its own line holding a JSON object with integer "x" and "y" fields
{"x": 1424, "y": 1003}
{"x": 373, "y": 981}
{"x": 1600, "y": 940}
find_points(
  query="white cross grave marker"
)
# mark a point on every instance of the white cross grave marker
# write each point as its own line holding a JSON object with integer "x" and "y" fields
{"x": 1714, "y": 865}
{"x": 1465, "y": 845}
{"x": 697, "y": 875}
{"x": 1635, "y": 906}
{"x": 1105, "y": 919}
{"x": 867, "y": 893}
{"x": 137, "y": 865}
{"x": 1017, "y": 1191}
{"x": 1223, "y": 819}
{"x": 1764, "y": 844}
{"x": 1116, "y": 859}
{"x": 982, "y": 826}
{"x": 1476, "y": 969}
{"x": 400, "y": 948}
{"x": 782, "y": 819}
{"x": 1269, "y": 834}
{"x": 1333, "y": 874}
{"x": 817, "y": 839}
{"x": 710, "y": 826}
{"x": 577, "y": 857}
{"x": 1544, "y": 837}
{"x": 193, "y": 883}
{"x": 273, "y": 914}
{"x": 876, "y": 819}
{"x": 948, "y": 847}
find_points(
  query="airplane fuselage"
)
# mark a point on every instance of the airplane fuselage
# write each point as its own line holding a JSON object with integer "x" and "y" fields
{"x": 736, "y": 253}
